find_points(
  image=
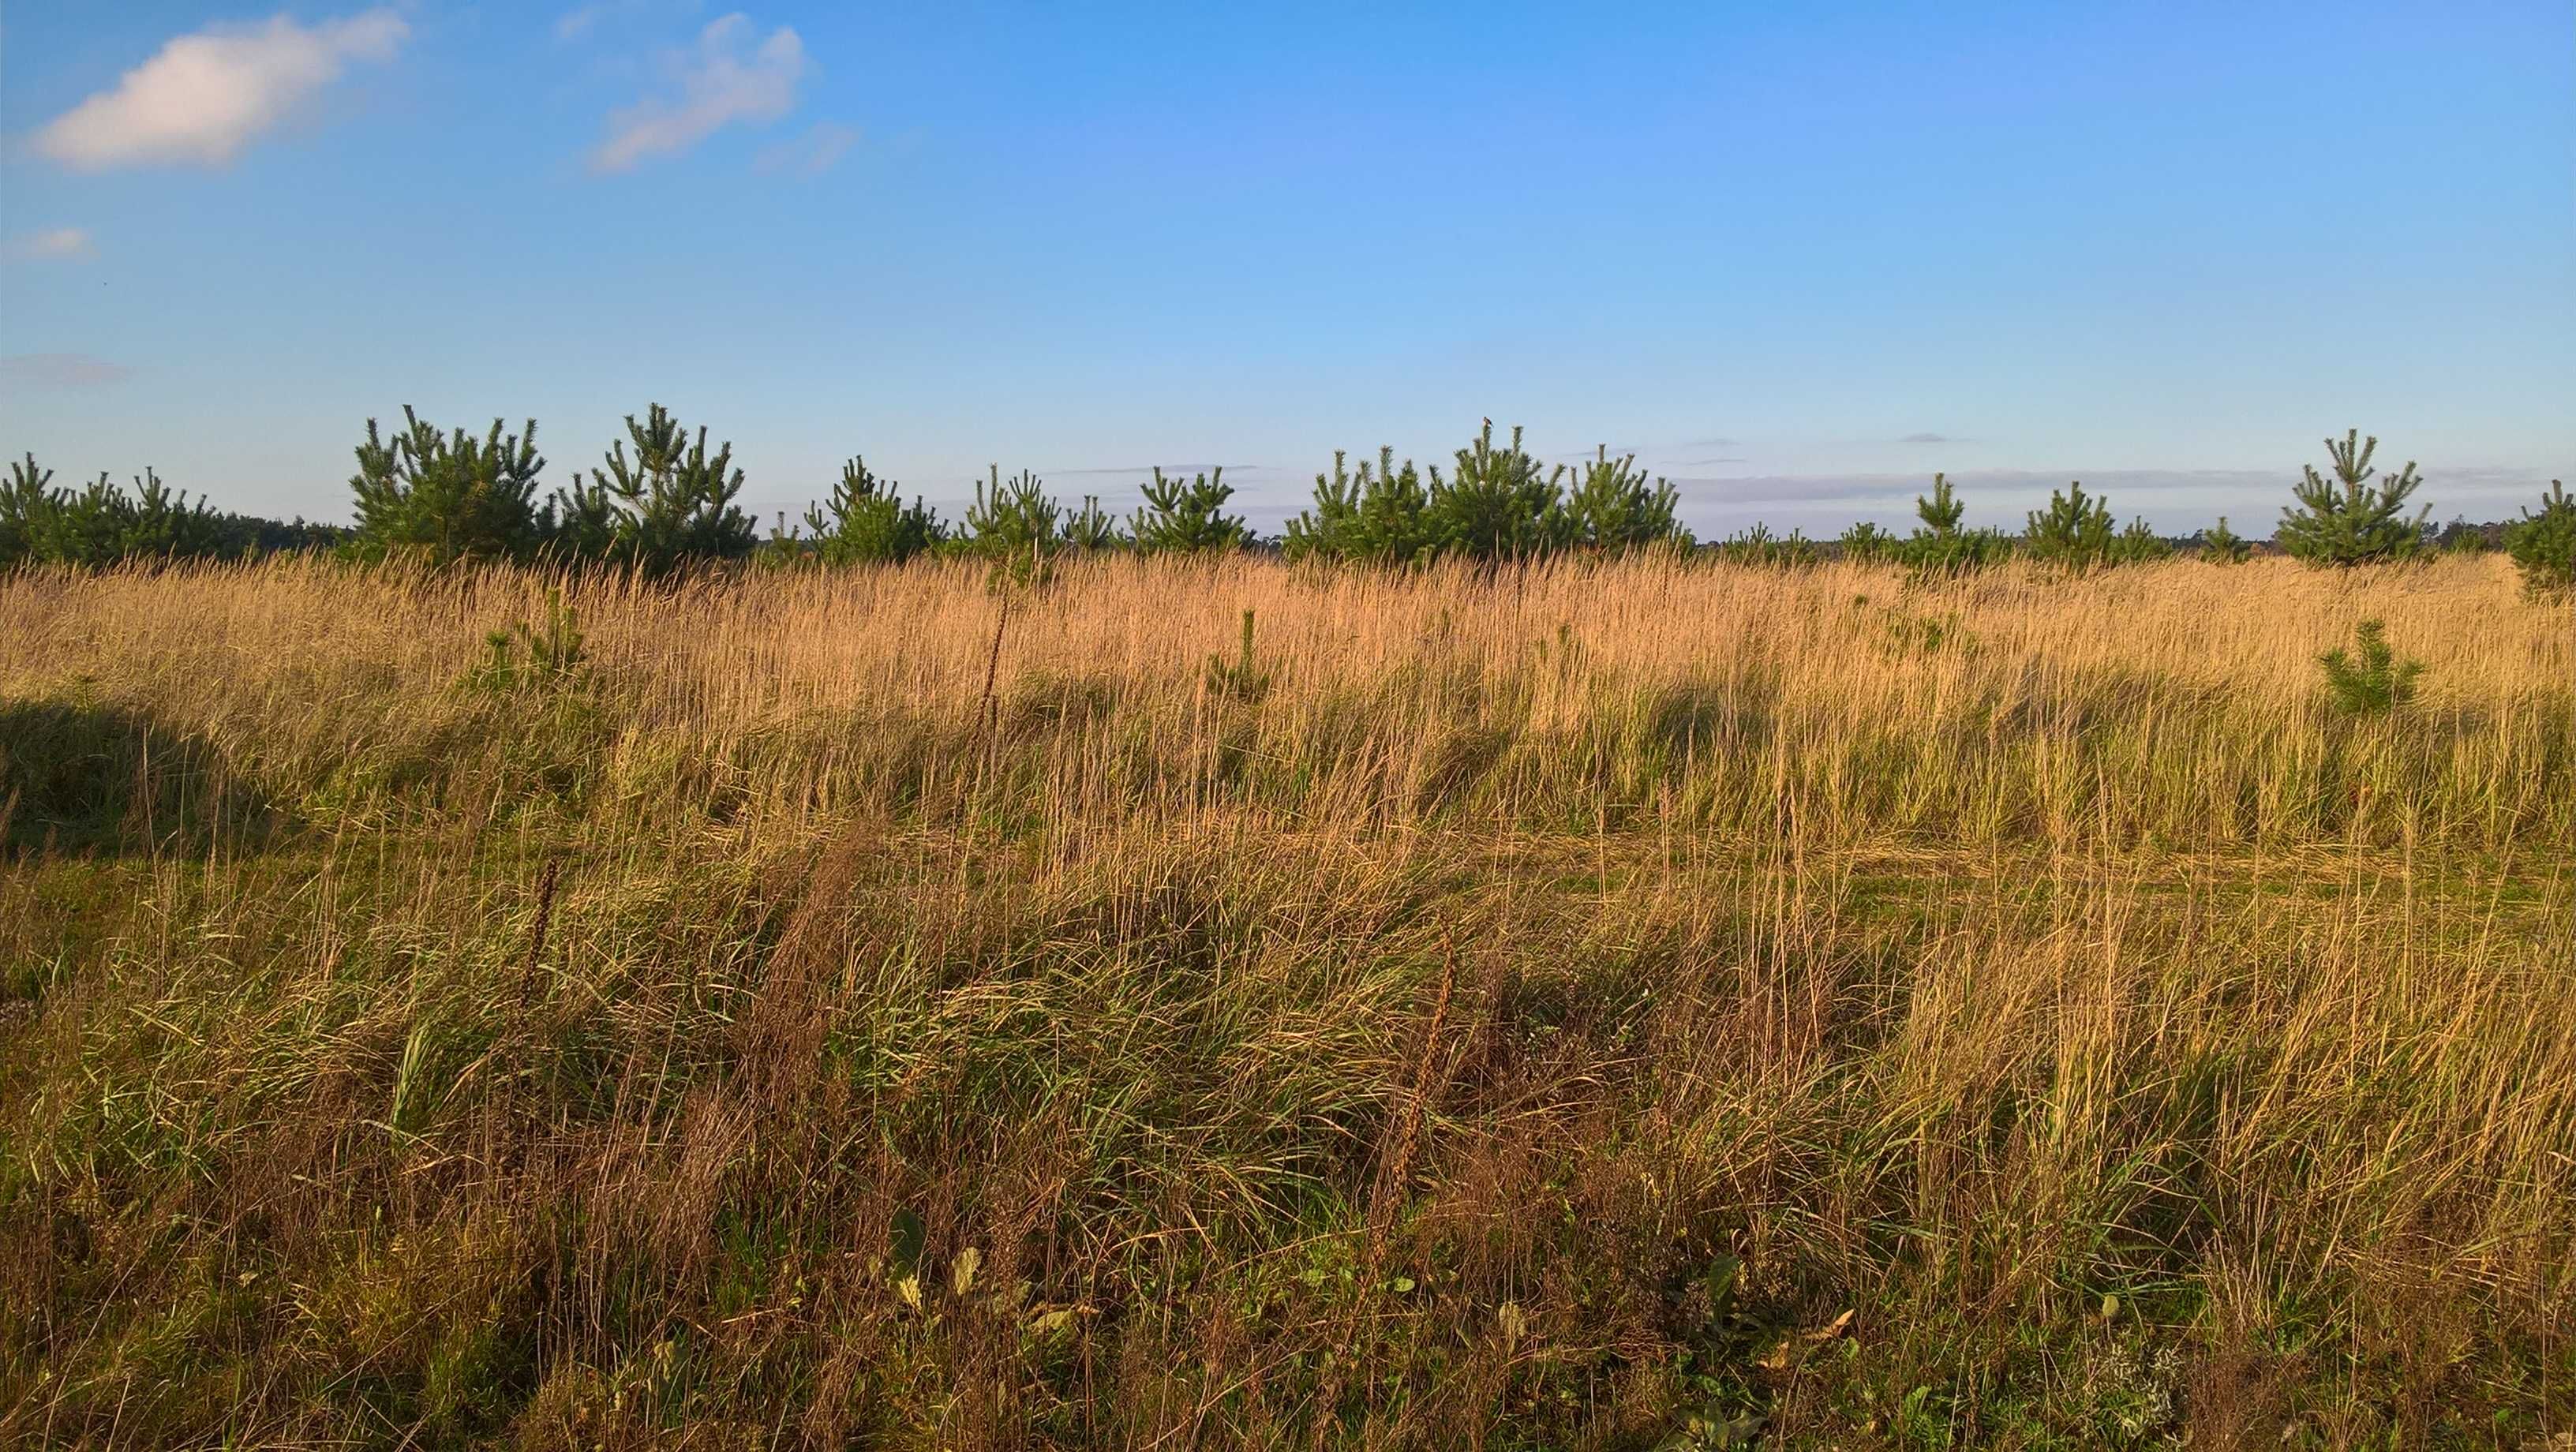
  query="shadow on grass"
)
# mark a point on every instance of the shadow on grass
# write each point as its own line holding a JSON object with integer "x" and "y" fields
{"x": 80, "y": 778}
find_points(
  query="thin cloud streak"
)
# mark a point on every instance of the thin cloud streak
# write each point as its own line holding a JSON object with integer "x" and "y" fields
{"x": 810, "y": 155}
{"x": 724, "y": 80}
{"x": 58, "y": 244}
{"x": 61, "y": 371}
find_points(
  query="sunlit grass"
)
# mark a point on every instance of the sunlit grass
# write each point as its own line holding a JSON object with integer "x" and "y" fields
{"x": 1532, "y": 1017}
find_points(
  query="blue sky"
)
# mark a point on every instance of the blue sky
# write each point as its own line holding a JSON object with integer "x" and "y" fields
{"x": 1796, "y": 257}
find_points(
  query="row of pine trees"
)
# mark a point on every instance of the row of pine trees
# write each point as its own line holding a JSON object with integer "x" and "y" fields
{"x": 662, "y": 502}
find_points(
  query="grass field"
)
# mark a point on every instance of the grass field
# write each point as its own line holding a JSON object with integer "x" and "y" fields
{"x": 1603, "y": 1007}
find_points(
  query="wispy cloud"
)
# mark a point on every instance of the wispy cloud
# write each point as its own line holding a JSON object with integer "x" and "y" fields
{"x": 61, "y": 370}
{"x": 724, "y": 79}
{"x": 811, "y": 154}
{"x": 585, "y": 20}
{"x": 1927, "y": 439}
{"x": 204, "y": 96}
{"x": 58, "y": 244}
{"x": 1699, "y": 463}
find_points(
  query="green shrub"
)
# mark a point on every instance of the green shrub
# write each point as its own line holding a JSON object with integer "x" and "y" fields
{"x": 1613, "y": 509}
{"x": 103, "y": 524}
{"x": 1015, "y": 525}
{"x": 447, "y": 497}
{"x": 1939, "y": 546}
{"x": 2348, "y": 521}
{"x": 1497, "y": 505}
{"x": 1376, "y": 516}
{"x": 2460, "y": 537}
{"x": 27, "y": 500}
{"x": 865, "y": 522}
{"x": 2138, "y": 544}
{"x": 1758, "y": 546}
{"x": 2543, "y": 545}
{"x": 1868, "y": 544}
{"x": 547, "y": 654}
{"x": 1240, "y": 677}
{"x": 2369, "y": 680}
{"x": 666, "y": 509}
{"x": 1179, "y": 518}
{"x": 2220, "y": 545}
{"x": 1092, "y": 528}
{"x": 2074, "y": 531}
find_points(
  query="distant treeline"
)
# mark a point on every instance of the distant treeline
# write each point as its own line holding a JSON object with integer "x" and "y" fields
{"x": 669, "y": 505}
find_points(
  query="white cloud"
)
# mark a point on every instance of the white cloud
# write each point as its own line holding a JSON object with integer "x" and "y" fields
{"x": 810, "y": 155}
{"x": 723, "y": 80}
{"x": 206, "y": 95}
{"x": 57, "y": 244}
{"x": 61, "y": 370}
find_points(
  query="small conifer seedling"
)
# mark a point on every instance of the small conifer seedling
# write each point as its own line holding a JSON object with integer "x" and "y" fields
{"x": 2369, "y": 679}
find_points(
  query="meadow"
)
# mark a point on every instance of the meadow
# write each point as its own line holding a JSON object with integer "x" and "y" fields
{"x": 1223, "y": 1002}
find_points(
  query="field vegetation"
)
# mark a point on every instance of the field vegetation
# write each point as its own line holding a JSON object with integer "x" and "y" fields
{"x": 1930, "y": 994}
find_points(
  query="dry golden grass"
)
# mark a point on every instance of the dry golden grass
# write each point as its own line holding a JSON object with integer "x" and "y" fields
{"x": 1526, "y": 1011}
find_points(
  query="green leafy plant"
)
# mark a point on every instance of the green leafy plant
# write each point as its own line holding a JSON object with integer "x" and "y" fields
{"x": 1239, "y": 677}
{"x": 1374, "y": 516}
{"x": 2220, "y": 545}
{"x": 1190, "y": 518}
{"x": 2348, "y": 520}
{"x": 1613, "y": 509}
{"x": 865, "y": 522}
{"x": 2543, "y": 545}
{"x": 448, "y": 497}
{"x": 2370, "y": 679}
{"x": 523, "y": 656}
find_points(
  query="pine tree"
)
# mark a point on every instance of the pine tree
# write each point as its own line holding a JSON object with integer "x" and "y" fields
{"x": 1188, "y": 518}
{"x": 163, "y": 525}
{"x": 2139, "y": 544}
{"x": 1091, "y": 528}
{"x": 1943, "y": 512}
{"x": 2347, "y": 521}
{"x": 1866, "y": 543}
{"x": 448, "y": 497}
{"x": 2220, "y": 545}
{"x": 1015, "y": 525}
{"x": 1939, "y": 546}
{"x": 2075, "y": 531}
{"x": 1612, "y": 509}
{"x": 673, "y": 500}
{"x": 1756, "y": 545}
{"x": 2543, "y": 545}
{"x": 27, "y": 506}
{"x": 1376, "y": 516}
{"x": 88, "y": 528}
{"x": 868, "y": 523}
{"x": 1498, "y": 505}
